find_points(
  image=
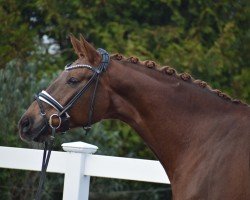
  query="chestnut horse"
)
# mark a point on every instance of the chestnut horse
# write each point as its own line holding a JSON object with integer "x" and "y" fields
{"x": 201, "y": 136}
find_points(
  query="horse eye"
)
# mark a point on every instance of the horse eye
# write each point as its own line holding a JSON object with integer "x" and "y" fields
{"x": 73, "y": 81}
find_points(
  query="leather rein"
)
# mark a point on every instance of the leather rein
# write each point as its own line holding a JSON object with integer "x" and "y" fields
{"x": 63, "y": 115}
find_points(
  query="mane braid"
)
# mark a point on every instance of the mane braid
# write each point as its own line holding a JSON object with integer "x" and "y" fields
{"x": 172, "y": 72}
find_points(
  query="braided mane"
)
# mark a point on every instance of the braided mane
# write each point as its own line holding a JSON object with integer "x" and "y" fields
{"x": 172, "y": 72}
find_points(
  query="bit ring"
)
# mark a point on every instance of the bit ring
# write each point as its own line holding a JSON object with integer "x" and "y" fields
{"x": 51, "y": 121}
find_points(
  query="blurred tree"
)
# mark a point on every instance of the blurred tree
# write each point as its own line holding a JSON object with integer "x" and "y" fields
{"x": 13, "y": 28}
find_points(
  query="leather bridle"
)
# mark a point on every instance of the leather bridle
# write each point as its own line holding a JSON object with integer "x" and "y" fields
{"x": 63, "y": 115}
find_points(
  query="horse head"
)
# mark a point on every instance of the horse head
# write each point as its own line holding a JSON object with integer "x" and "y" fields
{"x": 78, "y": 97}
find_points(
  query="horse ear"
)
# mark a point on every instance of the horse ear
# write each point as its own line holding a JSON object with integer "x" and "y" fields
{"x": 90, "y": 52}
{"x": 79, "y": 50}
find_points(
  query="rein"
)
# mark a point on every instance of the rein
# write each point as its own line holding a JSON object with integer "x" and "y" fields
{"x": 63, "y": 115}
{"x": 48, "y": 145}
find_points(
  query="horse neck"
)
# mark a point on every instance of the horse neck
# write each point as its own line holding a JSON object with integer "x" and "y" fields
{"x": 163, "y": 110}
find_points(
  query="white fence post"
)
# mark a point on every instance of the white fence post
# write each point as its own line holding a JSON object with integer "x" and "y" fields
{"x": 76, "y": 184}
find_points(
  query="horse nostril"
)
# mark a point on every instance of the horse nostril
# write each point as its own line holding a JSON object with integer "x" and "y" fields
{"x": 25, "y": 125}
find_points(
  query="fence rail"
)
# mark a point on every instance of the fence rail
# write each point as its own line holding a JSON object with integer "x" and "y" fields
{"x": 78, "y": 164}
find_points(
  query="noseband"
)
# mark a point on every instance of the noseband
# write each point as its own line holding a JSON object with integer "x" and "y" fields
{"x": 62, "y": 114}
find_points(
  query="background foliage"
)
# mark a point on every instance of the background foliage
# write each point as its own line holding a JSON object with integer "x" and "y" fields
{"x": 209, "y": 39}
